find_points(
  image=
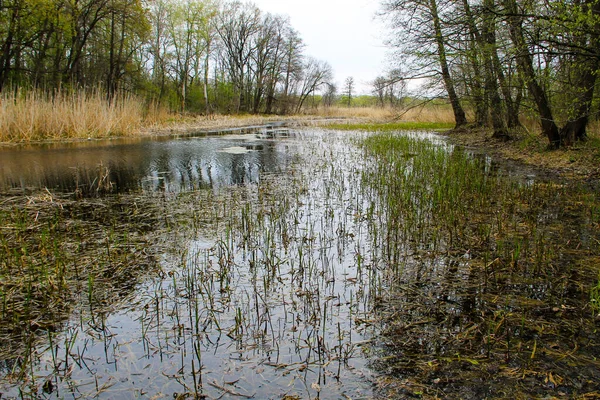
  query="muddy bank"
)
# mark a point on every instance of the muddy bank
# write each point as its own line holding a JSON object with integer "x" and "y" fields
{"x": 580, "y": 162}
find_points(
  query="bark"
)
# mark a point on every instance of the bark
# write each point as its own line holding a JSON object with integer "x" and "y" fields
{"x": 587, "y": 67}
{"x": 491, "y": 81}
{"x": 8, "y": 47}
{"x": 459, "y": 114}
{"x": 525, "y": 66}
{"x": 512, "y": 105}
{"x": 206, "y": 74}
{"x": 481, "y": 103}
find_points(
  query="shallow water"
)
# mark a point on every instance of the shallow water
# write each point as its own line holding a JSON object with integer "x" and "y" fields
{"x": 264, "y": 307}
{"x": 163, "y": 164}
{"x": 278, "y": 273}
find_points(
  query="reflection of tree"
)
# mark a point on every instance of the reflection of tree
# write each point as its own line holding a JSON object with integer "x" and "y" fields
{"x": 175, "y": 165}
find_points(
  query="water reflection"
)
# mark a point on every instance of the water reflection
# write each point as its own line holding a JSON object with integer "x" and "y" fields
{"x": 129, "y": 165}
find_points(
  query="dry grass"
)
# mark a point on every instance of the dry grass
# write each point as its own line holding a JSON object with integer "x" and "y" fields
{"x": 369, "y": 113}
{"x": 29, "y": 116}
{"x": 426, "y": 113}
{"x": 33, "y": 115}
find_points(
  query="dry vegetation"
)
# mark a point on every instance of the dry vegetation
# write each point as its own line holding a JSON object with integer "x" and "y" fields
{"x": 29, "y": 116}
{"x": 33, "y": 116}
{"x": 425, "y": 113}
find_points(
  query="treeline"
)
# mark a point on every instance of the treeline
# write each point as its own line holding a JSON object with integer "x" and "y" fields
{"x": 501, "y": 58}
{"x": 191, "y": 55}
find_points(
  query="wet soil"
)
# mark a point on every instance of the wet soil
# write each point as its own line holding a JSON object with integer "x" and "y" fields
{"x": 580, "y": 161}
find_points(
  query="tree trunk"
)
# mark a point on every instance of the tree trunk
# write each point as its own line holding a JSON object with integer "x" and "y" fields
{"x": 481, "y": 102}
{"x": 525, "y": 66}
{"x": 8, "y": 48}
{"x": 512, "y": 105}
{"x": 206, "y": 72}
{"x": 587, "y": 67}
{"x": 459, "y": 114}
{"x": 491, "y": 81}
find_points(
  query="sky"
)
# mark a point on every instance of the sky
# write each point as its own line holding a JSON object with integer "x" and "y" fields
{"x": 345, "y": 33}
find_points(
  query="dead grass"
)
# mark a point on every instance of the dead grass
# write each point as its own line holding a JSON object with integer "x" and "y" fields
{"x": 30, "y": 116}
{"x": 426, "y": 113}
{"x": 33, "y": 116}
{"x": 177, "y": 124}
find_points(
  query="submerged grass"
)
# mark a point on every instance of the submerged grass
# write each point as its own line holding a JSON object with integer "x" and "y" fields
{"x": 490, "y": 283}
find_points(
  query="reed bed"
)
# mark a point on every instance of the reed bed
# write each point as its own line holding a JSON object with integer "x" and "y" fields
{"x": 34, "y": 115}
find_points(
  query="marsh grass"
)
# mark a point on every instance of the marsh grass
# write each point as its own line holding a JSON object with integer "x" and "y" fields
{"x": 34, "y": 115}
{"x": 481, "y": 281}
{"x": 56, "y": 252}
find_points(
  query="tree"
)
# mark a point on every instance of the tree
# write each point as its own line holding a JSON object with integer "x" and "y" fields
{"x": 330, "y": 94}
{"x": 571, "y": 31}
{"x": 349, "y": 89}
{"x": 421, "y": 37}
{"x": 190, "y": 54}
{"x": 379, "y": 90}
{"x": 316, "y": 74}
{"x": 497, "y": 54}
{"x": 238, "y": 23}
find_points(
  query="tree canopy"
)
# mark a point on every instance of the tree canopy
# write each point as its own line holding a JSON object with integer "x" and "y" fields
{"x": 503, "y": 57}
{"x": 192, "y": 55}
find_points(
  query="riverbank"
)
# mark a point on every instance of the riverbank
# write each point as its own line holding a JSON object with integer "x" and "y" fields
{"x": 581, "y": 161}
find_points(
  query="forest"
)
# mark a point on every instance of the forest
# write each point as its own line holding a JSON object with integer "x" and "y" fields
{"x": 193, "y": 56}
{"x": 505, "y": 58}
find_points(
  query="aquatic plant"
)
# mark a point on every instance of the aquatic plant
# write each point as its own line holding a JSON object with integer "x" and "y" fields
{"x": 428, "y": 262}
{"x": 479, "y": 277}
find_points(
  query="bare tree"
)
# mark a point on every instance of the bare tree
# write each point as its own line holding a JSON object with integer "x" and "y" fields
{"x": 420, "y": 37}
{"x": 315, "y": 75}
{"x": 238, "y": 23}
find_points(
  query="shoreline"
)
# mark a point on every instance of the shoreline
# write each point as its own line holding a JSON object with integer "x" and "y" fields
{"x": 580, "y": 162}
{"x": 205, "y": 127}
